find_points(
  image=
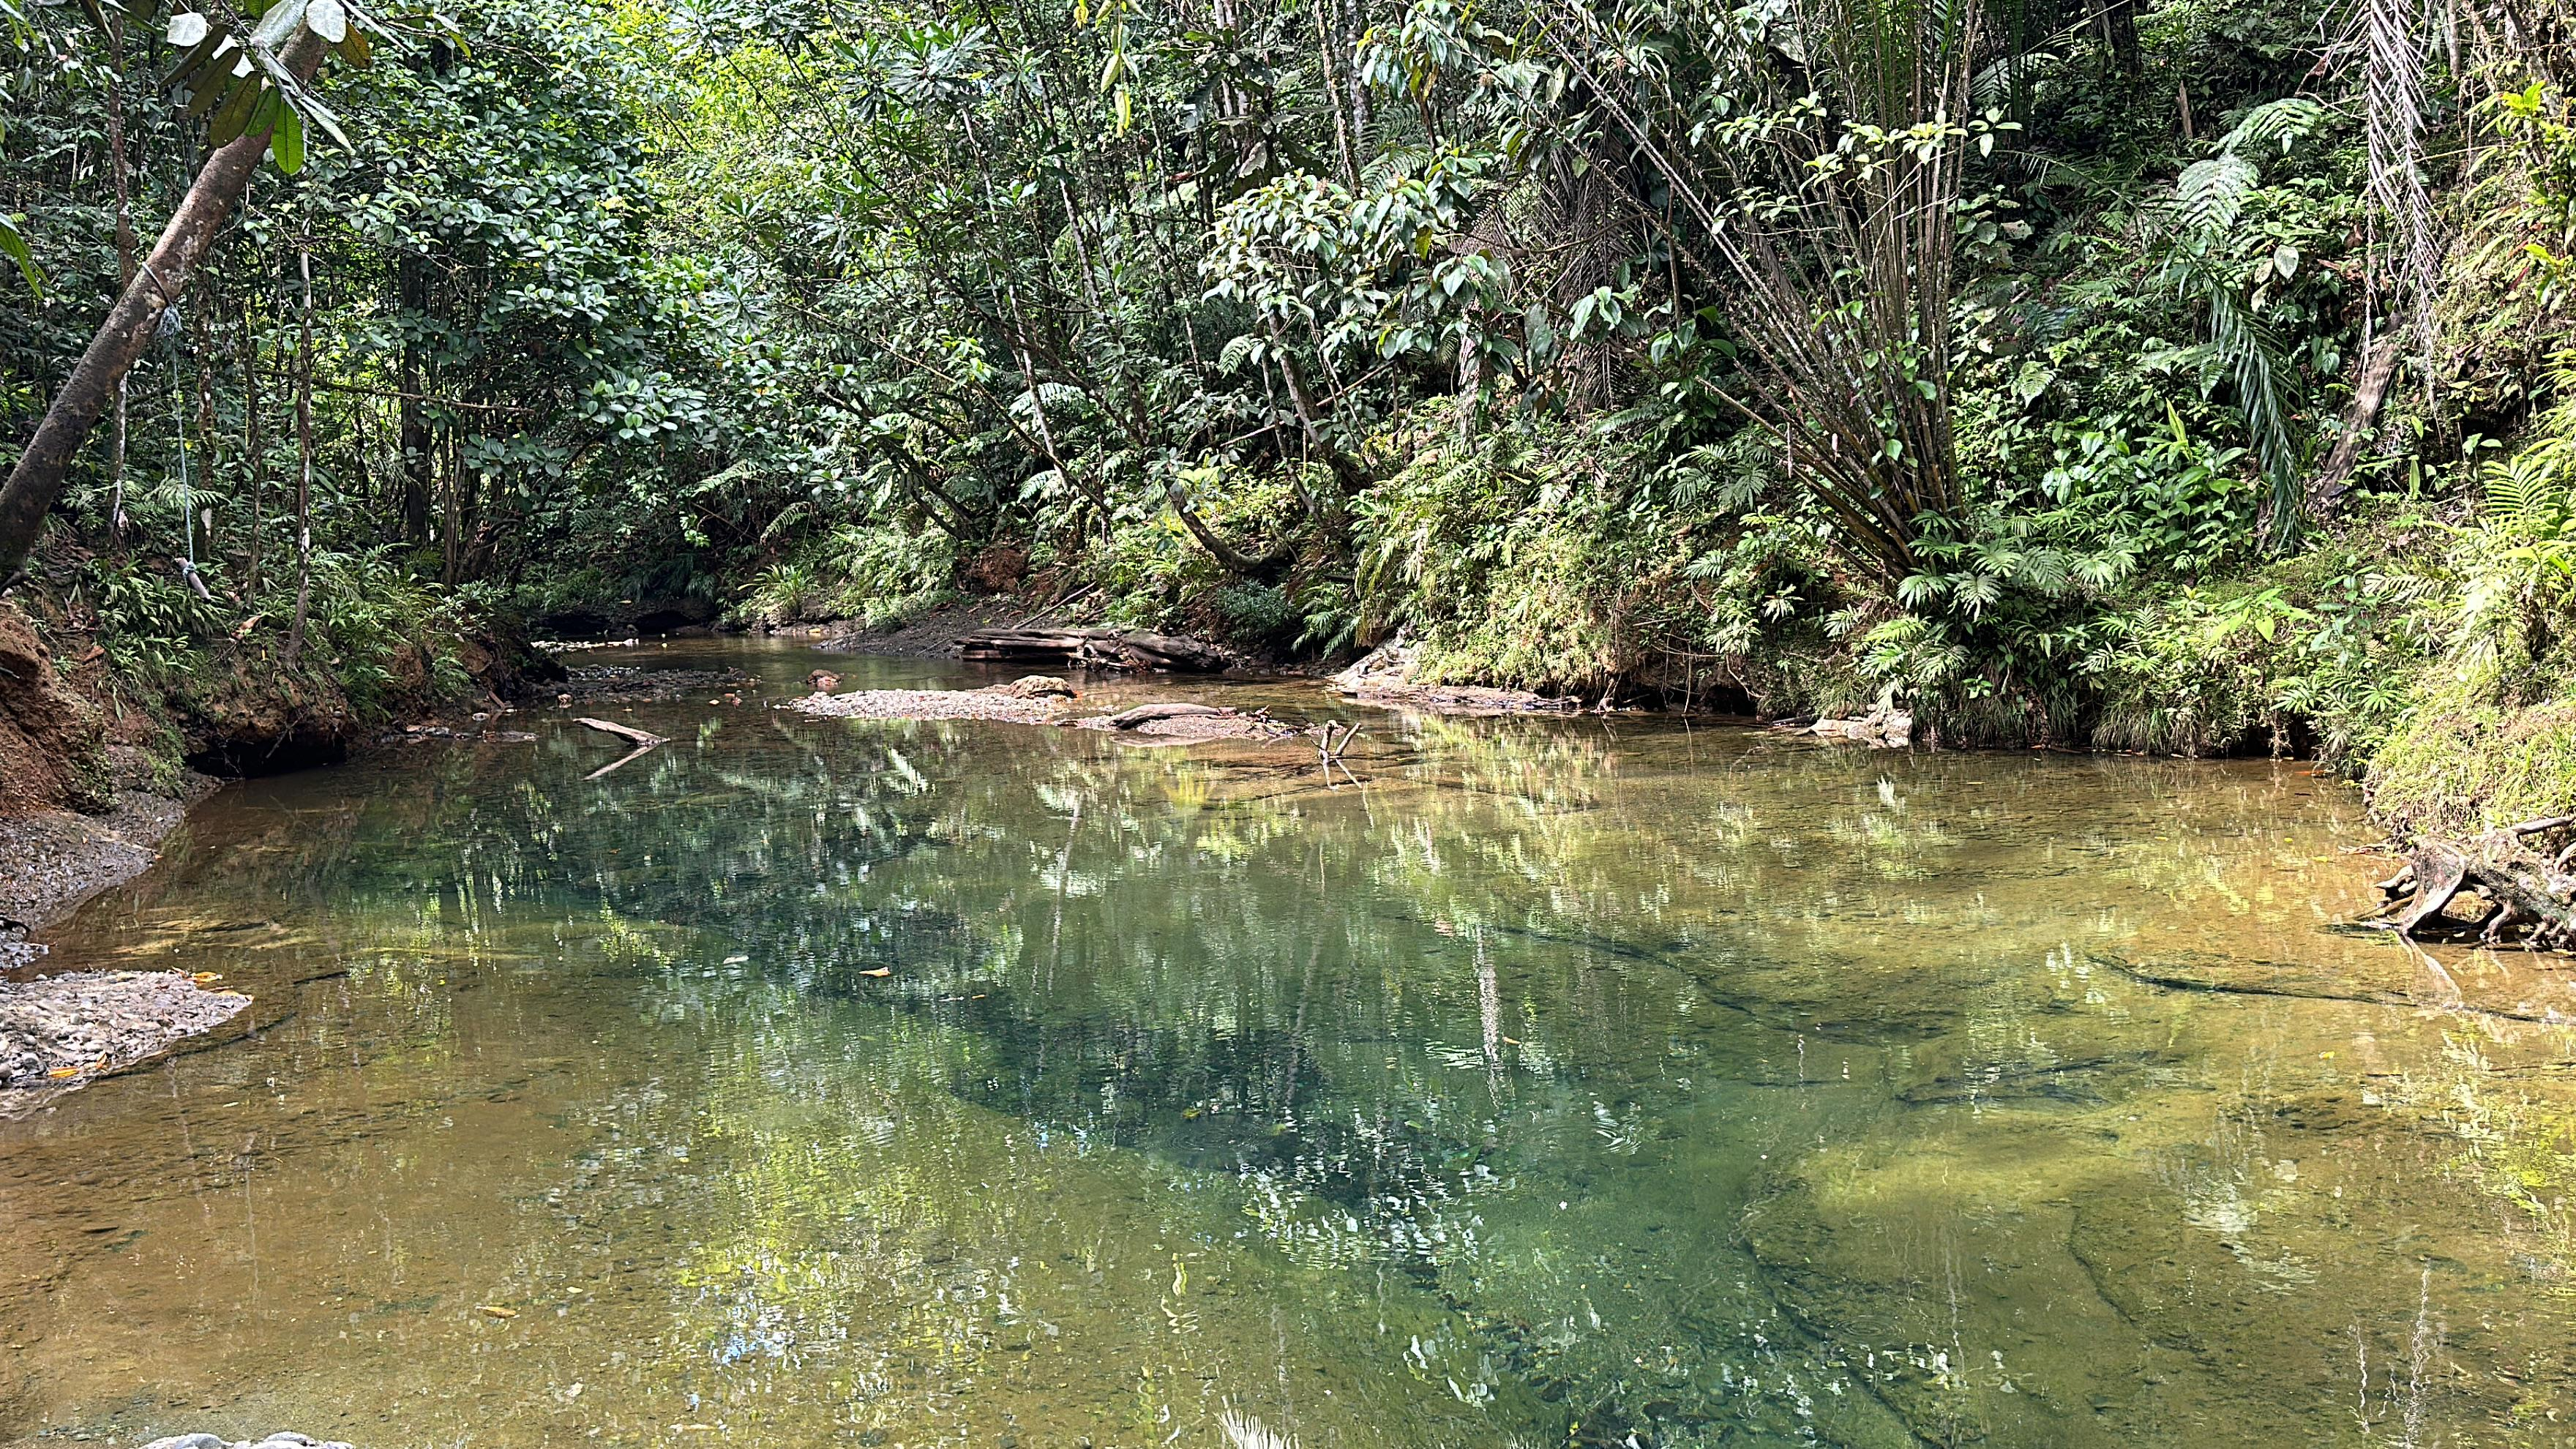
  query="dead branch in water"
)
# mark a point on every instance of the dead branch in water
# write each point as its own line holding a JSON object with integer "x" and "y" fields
{"x": 643, "y": 740}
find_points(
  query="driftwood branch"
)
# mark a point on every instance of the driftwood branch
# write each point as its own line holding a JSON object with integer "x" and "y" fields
{"x": 643, "y": 740}
{"x": 1145, "y": 714}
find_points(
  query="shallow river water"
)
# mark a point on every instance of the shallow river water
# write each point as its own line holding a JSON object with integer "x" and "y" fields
{"x": 1541, "y": 1082}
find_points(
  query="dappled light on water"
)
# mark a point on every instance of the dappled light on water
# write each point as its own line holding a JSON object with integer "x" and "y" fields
{"x": 1537, "y": 1082}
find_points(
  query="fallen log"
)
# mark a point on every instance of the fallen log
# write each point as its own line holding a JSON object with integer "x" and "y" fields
{"x": 1093, "y": 648}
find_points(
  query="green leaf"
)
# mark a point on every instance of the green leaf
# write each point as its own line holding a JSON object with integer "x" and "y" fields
{"x": 233, "y": 118}
{"x": 13, "y": 245}
{"x": 286, "y": 144}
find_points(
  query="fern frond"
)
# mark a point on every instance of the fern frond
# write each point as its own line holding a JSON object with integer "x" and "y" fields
{"x": 2284, "y": 122}
{"x": 2210, "y": 195}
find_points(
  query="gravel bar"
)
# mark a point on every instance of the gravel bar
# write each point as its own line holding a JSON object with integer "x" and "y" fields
{"x": 62, "y": 1030}
{"x": 988, "y": 704}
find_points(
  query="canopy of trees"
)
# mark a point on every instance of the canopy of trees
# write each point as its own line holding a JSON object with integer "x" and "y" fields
{"x": 2101, "y": 371}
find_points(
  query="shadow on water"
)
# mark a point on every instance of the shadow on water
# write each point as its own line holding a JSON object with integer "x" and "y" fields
{"x": 1541, "y": 1082}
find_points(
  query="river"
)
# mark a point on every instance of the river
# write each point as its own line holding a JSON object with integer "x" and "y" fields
{"x": 1538, "y": 1082}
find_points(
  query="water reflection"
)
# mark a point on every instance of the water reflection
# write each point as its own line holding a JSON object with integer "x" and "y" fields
{"x": 1556, "y": 1082}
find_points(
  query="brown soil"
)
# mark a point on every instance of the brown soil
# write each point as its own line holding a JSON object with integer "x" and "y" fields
{"x": 51, "y": 745}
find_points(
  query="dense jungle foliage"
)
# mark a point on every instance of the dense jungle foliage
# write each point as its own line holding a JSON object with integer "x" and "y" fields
{"x": 2174, "y": 375}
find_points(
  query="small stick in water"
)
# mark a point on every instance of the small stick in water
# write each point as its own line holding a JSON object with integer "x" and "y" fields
{"x": 643, "y": 740}
{"x": 630, "y": 733}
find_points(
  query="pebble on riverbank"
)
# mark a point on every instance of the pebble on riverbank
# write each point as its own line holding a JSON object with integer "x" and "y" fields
{"x": 57, "y": 1030}
{"x": 1197, "y": 726}
{"x": 279, "y": 1439}
{"x": 984, "y": 704}
{"x": 282, "y": 1439}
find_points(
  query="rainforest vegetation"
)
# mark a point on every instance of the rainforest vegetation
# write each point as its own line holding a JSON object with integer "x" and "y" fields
{"x": 2165, "y": 375}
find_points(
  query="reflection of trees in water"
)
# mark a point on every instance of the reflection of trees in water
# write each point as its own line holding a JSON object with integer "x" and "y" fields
{"x": 1525, "y": 962}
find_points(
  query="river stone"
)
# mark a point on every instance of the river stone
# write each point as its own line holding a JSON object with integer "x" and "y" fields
{"x": 83, "y": 1022}
{"x": 984, "y": 704}
{"x": 281, "y": 1439}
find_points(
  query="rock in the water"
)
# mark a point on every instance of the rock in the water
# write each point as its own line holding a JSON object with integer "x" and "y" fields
{"x": 1178, "y": 722}
{"x": 1039, "y": 686}
{"x": 1385, "y": 677}
{"x": 986, "y": 704}
{"x": 1881, "y": 729}
{"x": 282, "y": 1439}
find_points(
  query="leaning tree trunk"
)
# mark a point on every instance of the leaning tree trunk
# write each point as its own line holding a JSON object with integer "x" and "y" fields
{"x": 37, "y": 479}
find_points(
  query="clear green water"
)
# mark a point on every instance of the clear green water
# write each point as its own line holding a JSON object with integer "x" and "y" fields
{"x": 1566, "y": 1082}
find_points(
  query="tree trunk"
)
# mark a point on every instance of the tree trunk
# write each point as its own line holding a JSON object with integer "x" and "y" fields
{"x": 251, "y": 451}
{"x": 1234, "y": 559}
{"x": 37, "y": 479}
{"x": 418, "y": 479}
{"x": 2119, "y": 21}
{"x": 124, "y": 269}
{"x": 304, "y": 464}
{"x": 2378, "y": 370}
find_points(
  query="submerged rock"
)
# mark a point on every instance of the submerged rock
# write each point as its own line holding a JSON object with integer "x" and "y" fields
{"x": 1183, "y": 723}
{"x": 282, "y": 1439}
{"x": 630, "y": 684}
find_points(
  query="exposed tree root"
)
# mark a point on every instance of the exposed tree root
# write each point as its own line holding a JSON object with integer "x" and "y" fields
{"x": 2526, "y": 895}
